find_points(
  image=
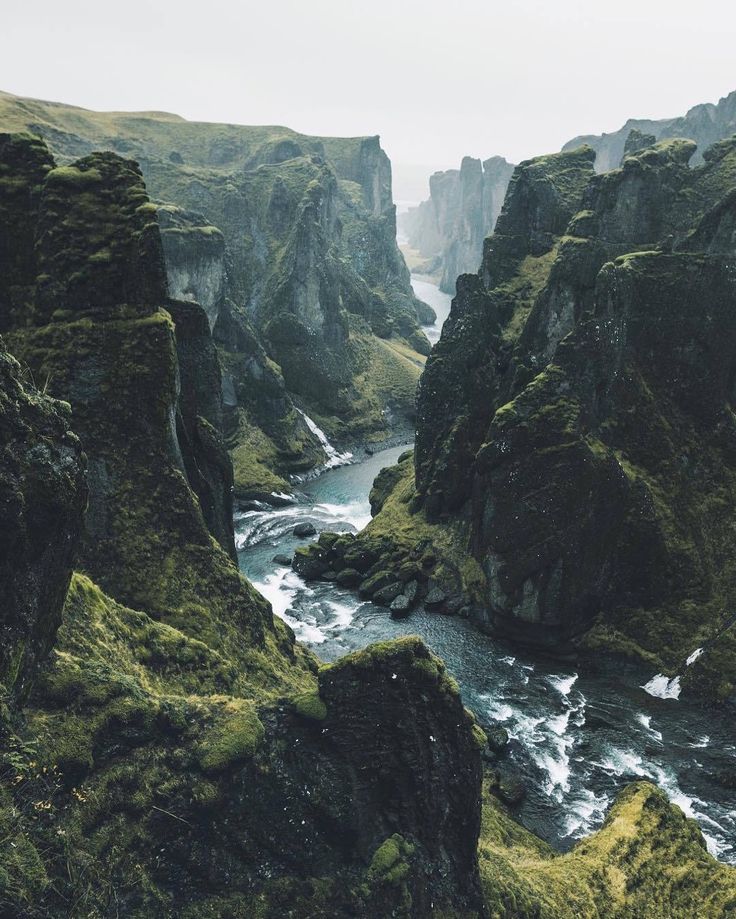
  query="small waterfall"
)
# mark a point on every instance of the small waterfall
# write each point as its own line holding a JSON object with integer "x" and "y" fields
{"x": 662, "y": 687}
{"x": 334, "y": 457}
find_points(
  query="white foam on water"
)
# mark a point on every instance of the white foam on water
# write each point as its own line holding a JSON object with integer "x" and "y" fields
{"x": 662, "y": 687}
{"x": 343, "y": 613}
{"x": 646, "y": 722}
{"x": 554, "y": 759}
{"x": 354, "y": 513}
{"x": 700, "y": 743}
{"x": 280, "y": 589}
{"x": 585, "y": 811}
{"x": 563, "y": 684}
{"x": 694, "y": 656}
{"x": 622, "y": 762}
{"x": 508, "y": 660}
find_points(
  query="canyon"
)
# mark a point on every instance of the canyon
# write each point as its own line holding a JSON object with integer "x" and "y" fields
{"x": 221, "y": 693}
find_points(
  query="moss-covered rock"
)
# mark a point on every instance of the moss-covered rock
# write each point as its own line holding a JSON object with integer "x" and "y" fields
{"x": 558, "y": 414}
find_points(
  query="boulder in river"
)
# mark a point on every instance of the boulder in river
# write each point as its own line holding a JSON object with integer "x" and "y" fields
{"x": 435, "y": 598}
{"x": 309, "y": 562}
{"x": 400, "y": 607}
{"x": 304, "y": 529}
{"x": 348, "y": 577}
{"x": 508, "y": 787}
{"x": 498, "y": 738}
{"x": 386, "y": 595}
{"x": 283, "y": 560}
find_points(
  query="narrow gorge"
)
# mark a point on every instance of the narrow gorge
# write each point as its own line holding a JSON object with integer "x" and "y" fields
{"x": 335, "y": 589}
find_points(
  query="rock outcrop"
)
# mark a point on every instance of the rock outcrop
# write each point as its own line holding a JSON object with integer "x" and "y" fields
{"x": 705, "y": 124}
{"x": 42, "y": 497}
{"x": 288, "y": 243}
{"x": 575, "y": 430}
{"x": 448, "y": 229}
{"x": 178, "y": 754}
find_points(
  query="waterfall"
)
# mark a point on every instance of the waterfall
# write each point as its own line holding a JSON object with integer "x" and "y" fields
{"x": 334, "y": 457}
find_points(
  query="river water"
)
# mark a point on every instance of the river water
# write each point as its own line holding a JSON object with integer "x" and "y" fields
{"x": 576, "y": 738}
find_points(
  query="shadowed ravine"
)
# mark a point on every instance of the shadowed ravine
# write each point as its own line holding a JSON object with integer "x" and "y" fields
{"x": 576, "y": 739}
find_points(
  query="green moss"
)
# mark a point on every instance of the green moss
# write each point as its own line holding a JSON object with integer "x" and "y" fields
{"x": 647, "y": 860}
{"x": 310, "y": 706}
{"x": 231, "y": 741}
{"x": 390, "y": 862}
{"x": 72, "y": 175}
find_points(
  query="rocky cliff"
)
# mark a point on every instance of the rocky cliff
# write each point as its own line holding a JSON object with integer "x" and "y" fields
{"x": 705, "y": 124}
{"x": 288, "y": 242}
{"x": 177, "y": 754}
{"x": 447, "y": 230}
{"x": 575, "y": 431}
{"x": 166, "y": 748}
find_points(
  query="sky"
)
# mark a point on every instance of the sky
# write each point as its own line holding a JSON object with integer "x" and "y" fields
{"x": 437, "y": 80}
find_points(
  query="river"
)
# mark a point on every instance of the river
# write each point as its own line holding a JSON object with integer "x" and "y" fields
{"x": 576, "y": 738}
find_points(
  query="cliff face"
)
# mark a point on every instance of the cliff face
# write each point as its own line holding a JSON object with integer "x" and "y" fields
{"x": 705, "y": 124}
{"x": 178, "y": 754}
{"x": 584, "y": 380}
{"x": 42, "y": 496}
{"x": 292, "y": 240}
{"x": 448, "y": 229}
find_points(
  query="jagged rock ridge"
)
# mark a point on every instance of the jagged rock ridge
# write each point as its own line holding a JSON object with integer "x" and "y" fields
{"x": 288, "y": 242}
{"x": 178, "y": 755}
{"x": 447, "y": 230}
{"x": 575, "y": 429}
{"x": 705, "y": 124}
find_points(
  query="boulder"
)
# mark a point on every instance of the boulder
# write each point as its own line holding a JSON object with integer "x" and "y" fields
{"x": 498, "y": 738}
{"x": 435, "y": 598}
{"x": 386, "y": 595}
{"x": 309, "y": 562}
{"x": 400, "y": 607}
{"x": 283, "y": 560}
{"x": 348, "y": 577}
{"x": 302, "y": 530}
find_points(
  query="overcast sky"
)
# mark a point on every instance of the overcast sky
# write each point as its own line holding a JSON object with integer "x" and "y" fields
{"x": 436, "y": 80}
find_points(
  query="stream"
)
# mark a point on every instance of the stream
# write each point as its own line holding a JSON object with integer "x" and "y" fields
{"x": 576, "y": 738}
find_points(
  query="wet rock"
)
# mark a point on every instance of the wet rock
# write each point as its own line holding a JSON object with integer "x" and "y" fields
{"x": 375, "y": 582}
{"x": 360, "y": 558}
{"x": 408, "y": 572}
{"x": 386, "y": 595}
{"x": 411, "y": 591}
{"x": 435, "y": 599}
{"x": 283, "y": 560}
{"x": 328, "y": 540}
{"x": 302, "y": 530}
{"x": 498, "y": 738}
{"x": 329, "y": 575}
{"x": 348, "y": 577}
{"x": 309, "y": 562}
{"x": 507, "y": 787}
{"x": 453, "y": 605}
{"x": 400, "y": 607}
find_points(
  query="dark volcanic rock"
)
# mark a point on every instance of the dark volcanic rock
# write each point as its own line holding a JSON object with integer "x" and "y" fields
{"x": 42, "y": 497}
{"x": 304, "y": 529}
{"x": 400, "y": 607}
{"x": 576, "y": 411}
{"x": 372, "y": 696}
